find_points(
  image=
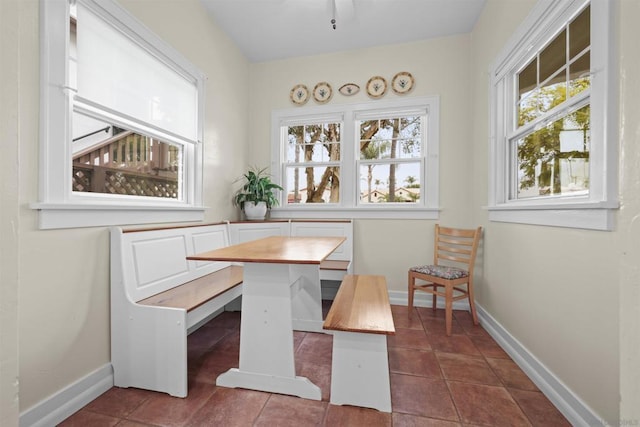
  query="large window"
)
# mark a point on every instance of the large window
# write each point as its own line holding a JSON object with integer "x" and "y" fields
{"x": 553, "y": 128}
{"x": 122, "y": 121}
{"x": 367, "y": 160}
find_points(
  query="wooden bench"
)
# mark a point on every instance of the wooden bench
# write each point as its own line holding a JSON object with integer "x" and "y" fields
{"x": 158, "y": 298}
{"x": 360, "y": 318}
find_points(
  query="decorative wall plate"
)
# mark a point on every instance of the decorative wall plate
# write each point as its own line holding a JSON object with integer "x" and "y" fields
{"x": 322, "y": 92}
{"x": 349, "y": 89}
{"x": 299, "y": 94}
{"x": 376, "y": 86}
{"x": 402, "y": 82}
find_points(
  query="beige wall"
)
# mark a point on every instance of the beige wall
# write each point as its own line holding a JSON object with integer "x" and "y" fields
{"x": 557, "y": 291}
{"x": 10, "y": 21}
{"x": 439, "y": 67}
{"x": 628, "y": 234}
{"x": 569, "y": 296}
{"x": 61, "y": 277}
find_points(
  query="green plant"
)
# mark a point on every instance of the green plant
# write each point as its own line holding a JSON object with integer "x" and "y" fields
{"x": 257, "y": 188}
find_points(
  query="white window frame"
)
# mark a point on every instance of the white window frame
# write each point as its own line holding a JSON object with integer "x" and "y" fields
{"x": 58, "y": 205}
{"x": 595, "y": 211}
{"x": 349, "y": 206}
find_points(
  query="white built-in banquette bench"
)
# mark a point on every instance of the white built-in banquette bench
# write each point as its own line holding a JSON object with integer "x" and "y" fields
{"x": 158, "y": 297}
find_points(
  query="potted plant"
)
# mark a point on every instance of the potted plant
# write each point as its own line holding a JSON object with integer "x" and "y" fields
{"x": 256, "y": 195}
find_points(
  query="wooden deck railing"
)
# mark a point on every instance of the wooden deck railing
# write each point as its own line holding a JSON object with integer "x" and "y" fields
{"x": 128, "y": 164}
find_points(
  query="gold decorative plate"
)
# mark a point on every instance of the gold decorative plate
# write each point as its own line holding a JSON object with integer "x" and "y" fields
{"x": 299, "y": 94}
{"x": 322, "y": 92}
{"x": 402, "y": 82}
{"x": 376, "y": 86}
{"x": 349, "y": 89}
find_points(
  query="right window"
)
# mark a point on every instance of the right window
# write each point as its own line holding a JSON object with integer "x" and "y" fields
{"x": 553, "y": 134}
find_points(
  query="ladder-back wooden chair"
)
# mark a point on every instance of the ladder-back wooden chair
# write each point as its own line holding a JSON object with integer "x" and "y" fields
{"x": 454, "y": 256}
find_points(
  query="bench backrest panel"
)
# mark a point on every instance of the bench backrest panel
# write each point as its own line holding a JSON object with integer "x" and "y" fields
{"x": 158, "y": 258}
{"x": 153, "y": 261}
{"x": 208, "y": 239}
{"x": 245, "y": 231}
{"x": 327, "y": 229}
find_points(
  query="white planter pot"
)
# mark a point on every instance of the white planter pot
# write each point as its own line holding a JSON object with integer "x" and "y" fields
{"x": 255, "y": 212}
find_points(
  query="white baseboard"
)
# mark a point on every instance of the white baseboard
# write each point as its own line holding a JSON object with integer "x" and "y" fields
{"x": 67, "y": 401}
{"x": 421, "y": 299}
{"x": 61, "y": 405}
{"x": 568, "y": 403}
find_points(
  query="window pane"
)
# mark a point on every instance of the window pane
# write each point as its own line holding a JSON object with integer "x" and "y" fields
{"x": 111, "y": 160}
{"x": 529, "y": 108}
{"x": 390, "y": 182}
{"x": 579, "y": 74}
{"x": 313, "y": 143}
{"x": 394, "y": 138}
{"x": 542, "y": 99}
{"x": 580, "y": 33}
{"x": 554, "y": 56}
{"x": 313, "y": 184}
{"x": 553, "y": 92}
{"x": 555, "y": 159}
{"x": 528, "y": 79}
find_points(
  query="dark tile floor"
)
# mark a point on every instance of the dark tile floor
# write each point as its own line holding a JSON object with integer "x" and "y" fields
{"x": 436, "y": 381}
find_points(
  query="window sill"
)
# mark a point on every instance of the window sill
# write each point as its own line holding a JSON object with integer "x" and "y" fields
{"x": 387, "y": 212}
{"x": 59, "y": 215}
{"x": 589, "y": 216}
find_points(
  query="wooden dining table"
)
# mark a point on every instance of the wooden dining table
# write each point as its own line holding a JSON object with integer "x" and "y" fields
{"x": 281, "y": 293}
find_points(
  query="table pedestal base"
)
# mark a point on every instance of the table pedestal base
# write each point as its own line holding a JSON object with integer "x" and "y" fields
{"x": 295, "y": 386}
{"x": 276, "y": 299}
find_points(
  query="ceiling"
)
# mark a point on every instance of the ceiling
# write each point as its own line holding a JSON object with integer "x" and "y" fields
{"x": 267, "y": 30}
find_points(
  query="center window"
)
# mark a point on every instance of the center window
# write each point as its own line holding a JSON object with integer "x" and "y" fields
{"x": 390, "y": 160}
{"x": 366, "y": 160}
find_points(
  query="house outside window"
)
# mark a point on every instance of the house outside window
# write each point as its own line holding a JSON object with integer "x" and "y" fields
{"x": 122, "y": 121}
{"x": 367, "y": 160}
{"x": 553, "y": 145}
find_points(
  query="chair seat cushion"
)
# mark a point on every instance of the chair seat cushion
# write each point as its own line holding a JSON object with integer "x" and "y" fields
{"x": 442, "y": 271}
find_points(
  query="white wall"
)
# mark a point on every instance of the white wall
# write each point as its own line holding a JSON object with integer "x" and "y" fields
{"x": 439, "y": 67}
{"x": 55, "y": 284}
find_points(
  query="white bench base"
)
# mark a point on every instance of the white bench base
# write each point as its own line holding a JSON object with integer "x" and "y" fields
{"x": 360, "y": 370}
{"x": 149, "y": 342}
{"x": 294, "y": 386}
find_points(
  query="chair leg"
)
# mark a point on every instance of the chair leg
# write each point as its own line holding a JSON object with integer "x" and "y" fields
{"x": 411, "y": 290}
{"x": 448, "y": 307}
{"x": 472, "y": 303}
{"x": 434, "y": 297}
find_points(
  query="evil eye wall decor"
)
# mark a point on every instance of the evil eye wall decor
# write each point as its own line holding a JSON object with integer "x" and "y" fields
{"x": 349, "y": 89}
